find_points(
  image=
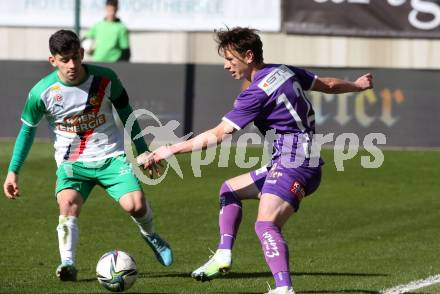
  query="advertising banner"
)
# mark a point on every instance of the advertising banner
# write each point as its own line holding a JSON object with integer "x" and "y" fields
{"x": 403, "y": 106}
{"x": 155, "y": 15}
{"x": 371, "y": 18}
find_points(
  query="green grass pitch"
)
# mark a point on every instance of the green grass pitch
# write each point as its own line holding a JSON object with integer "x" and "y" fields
{"x": 363, "y": 230}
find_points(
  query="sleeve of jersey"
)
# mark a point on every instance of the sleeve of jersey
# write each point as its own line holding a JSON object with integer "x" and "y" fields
{"x": 22, "y": 146}
{"x": 124, "y": 110}
{"x": 247, "y": 106}
{"x": 305, "y": 77}
{"x": 123, "y": 39}
{"x": 116, "y": 85}
{"x": 92, "y": 32}
{"x": 33, "y": 111}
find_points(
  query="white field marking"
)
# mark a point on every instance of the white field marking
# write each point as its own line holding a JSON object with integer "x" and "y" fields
{"x": 413, "y": 285}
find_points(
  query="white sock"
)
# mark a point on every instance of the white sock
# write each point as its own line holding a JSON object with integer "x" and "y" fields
{"x": 145, "y": 223}
{"x": 67, "y": 238}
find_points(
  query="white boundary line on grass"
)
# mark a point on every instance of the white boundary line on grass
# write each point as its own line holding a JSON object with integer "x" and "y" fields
{"x": 413, "y": 285}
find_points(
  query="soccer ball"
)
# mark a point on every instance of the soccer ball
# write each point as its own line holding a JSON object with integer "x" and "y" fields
{"x": 116, "y": 271}
{"x": 88, "y": 45}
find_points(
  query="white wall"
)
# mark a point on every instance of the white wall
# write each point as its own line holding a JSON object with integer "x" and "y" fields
{"x": 179, "y": 47}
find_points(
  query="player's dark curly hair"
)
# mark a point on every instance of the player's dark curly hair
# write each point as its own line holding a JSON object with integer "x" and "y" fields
{"x": 64, "y": 41}
{"x": 240, "y": 39}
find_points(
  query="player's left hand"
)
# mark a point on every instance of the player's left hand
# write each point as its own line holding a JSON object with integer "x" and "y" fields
{"x": 146, "y": 159}
{"x": 365, "y": 82}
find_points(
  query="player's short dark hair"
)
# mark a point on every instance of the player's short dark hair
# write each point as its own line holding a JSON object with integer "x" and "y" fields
{"x": 64, "y": 41}
{"x": 241, "y": 40}
{"x": 111, "y": 3}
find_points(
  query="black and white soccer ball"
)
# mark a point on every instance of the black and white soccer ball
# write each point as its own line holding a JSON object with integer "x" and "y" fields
{"x": 116, "y": 271}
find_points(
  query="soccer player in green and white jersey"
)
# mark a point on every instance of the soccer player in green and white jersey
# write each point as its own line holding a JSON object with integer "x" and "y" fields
{"x": 77, "y": 101}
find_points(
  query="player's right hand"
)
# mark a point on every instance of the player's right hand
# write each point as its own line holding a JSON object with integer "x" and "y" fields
{"x": 162, "y": 153}
{"x": 10, "y": 187}
{"x": 146, "y": 160}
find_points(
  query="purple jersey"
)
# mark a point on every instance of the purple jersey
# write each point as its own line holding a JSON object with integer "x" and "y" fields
{"x": 276, "y": 100}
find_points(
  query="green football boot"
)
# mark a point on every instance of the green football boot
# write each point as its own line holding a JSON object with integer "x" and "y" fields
{"x": 218, "y": 264}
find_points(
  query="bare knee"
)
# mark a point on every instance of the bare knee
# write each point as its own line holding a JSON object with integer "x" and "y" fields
{"x": 69, "y": 202}
{"x": 134, "y": 203}
{"x": 136, "y": 210}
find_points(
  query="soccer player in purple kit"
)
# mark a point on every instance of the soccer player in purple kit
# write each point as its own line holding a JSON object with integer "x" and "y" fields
{"x": 275, "y": 100}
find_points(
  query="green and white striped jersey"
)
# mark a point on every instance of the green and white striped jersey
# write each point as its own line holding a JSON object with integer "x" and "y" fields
{"x": 80, "y": 116}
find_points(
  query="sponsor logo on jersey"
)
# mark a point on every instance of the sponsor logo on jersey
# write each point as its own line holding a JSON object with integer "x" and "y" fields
{"x": 298, "y": 190}
{"x": 94, "y": 101}
{"x": 58, "y": 98}
{"x": 82, "y": 122}
{"x": 55, "y": 88}
{"x": 55, "y": 92}
{"x": 275, "y": 79}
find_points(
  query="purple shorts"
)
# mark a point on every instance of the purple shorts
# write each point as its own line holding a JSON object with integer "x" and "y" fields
{"x": 290, "y": 184}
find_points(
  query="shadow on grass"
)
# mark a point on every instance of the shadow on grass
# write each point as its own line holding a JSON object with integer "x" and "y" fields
{"x": 165, "y": 275}
{"x": 339, "y": 291}
{"x": 64, "y": 292}
{"x": 322, "y": 292}
{"x": 148, "y": 275}
{"x": 89, "y": 280}
{"x": 330, "y": 292}
{"x": 317, "y": 291}
{"x": 349, "y": 291}
{"x": 251, "y": 275}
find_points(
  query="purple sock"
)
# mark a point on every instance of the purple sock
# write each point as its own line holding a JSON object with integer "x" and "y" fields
{"x": 282, "y": 279}
{"x": 275, "y": 252}
{"x": 229, "y": 217}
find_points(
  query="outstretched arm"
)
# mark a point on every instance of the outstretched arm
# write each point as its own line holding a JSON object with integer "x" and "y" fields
{"x": 209, "y": 138}
{"x": 22, "y": 146}
{"x": 204, "y": 140}
{"x": 337, "y": 86}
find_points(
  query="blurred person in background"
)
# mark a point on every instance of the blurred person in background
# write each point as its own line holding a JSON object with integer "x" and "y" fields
{"x": 108, "y": 40}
